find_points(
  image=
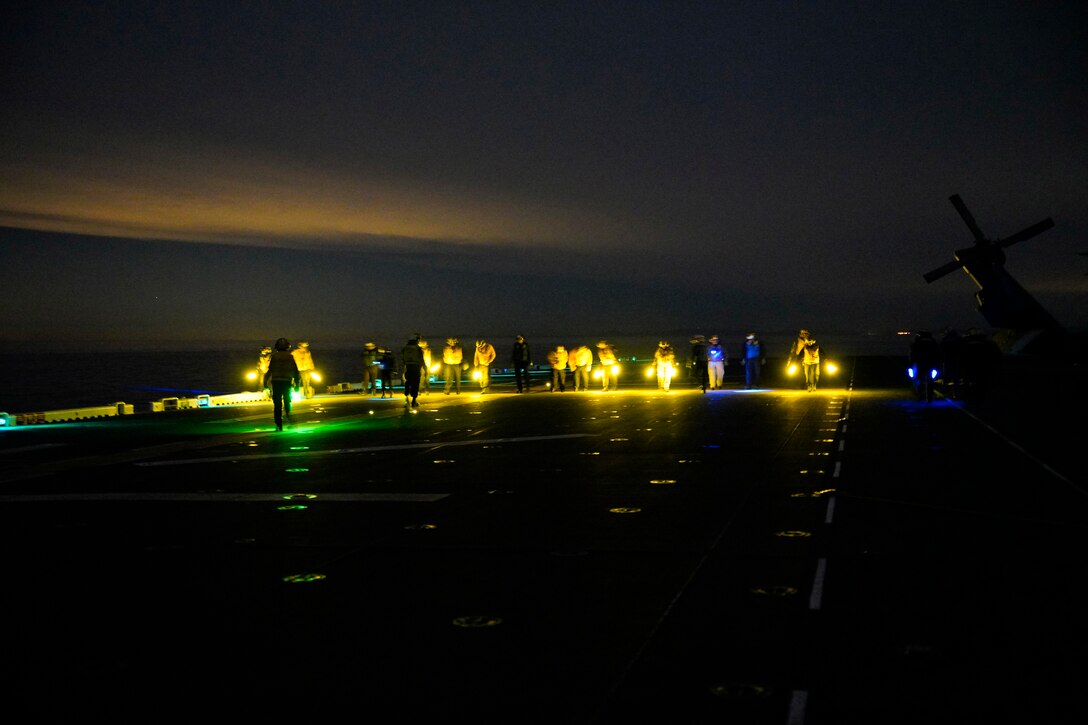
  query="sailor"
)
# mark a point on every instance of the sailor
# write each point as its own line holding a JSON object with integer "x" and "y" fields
{"x": 452, "y": 359}
{"x": 305, "y": 363}
{"x": 282, "y": 378}
{"x": 371, "y": 367}
{"x": 717, "y": 359}
{"x": 699, "y": 362}
{"x": 263, "y": 359}
{"x": 411, "y": 362}
{"x": 664, "y": 362}
{"x": 755, "y": 357}
{"x": 606, "y": 353}
{"x": 482, "y": 359}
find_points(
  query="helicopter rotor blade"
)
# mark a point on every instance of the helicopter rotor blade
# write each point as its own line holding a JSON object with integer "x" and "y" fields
{"x": 970, "y": 220}
{"x": 942, "y": 270}
{"x": 1028, "y": 233}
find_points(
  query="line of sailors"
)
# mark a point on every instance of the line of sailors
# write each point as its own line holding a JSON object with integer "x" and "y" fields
{"x": 707, "y": 364}
{"x": 707, "y": 361}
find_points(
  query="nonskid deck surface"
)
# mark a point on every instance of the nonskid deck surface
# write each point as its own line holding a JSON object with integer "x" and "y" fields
{"x": 770, "y": 556}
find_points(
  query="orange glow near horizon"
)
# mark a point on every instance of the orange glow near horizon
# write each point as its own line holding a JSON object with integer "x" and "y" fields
{"x": 245, "y": 202}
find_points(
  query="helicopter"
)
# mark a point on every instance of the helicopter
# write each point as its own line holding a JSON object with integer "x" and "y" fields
{"x": 1024, "y": 325}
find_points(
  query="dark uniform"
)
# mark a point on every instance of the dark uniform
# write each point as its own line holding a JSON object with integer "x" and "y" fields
{"x": 282, "y": 378}
{"x": 411, "y": 360}
{"x": 522, "y": 359}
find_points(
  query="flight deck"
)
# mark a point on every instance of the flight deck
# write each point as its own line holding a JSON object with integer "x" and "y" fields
{"x": 850, "y": 556}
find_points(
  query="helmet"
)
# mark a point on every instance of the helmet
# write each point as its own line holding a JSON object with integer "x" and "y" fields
{"x": 265, "y": 350}
{"x": 751, "y": 336}
{"x": 451, "y": 340}
{"x": 713, "y": 338}
{"x": 304, "y": 344}
{"x": 369, "y": 346}
{"x": 283, "y": 344}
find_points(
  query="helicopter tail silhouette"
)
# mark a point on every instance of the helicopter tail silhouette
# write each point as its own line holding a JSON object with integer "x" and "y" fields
{"x": 1004, "y": 303}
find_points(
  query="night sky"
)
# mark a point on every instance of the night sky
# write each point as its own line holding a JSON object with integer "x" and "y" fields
{"x": 192, "y": 171}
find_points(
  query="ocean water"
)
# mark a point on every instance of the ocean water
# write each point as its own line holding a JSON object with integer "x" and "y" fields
{"x": 57, "y": 380}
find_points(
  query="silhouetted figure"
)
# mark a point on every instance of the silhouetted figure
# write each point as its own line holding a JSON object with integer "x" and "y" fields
{"x": 264, "y": 357}
{"x": 581, "y": 362}
{"x": 387, "y": 363}
{"x": 411, "y": 362}
{"x": 452, "y": 360}
{"x": 305, "y": 361}
{"x": 557, "y": 361}
{"x": 753, "y": 359}
{"x": 808, "y": 351}
{"x": 482, "y": 359}
{"x": 664, "y": 365}
{"x": 717, "y": 358}
{"x": 699, "y": 362}
{"x": 521, "y": 358}
{"x": 796, "y": 353}
{"x": 425, "y": 373}
{"x": 610, "y": 365}
{"x": 925, "y": 359}
{"x": 282, "y": 378}
{"x": 372, "y": 366}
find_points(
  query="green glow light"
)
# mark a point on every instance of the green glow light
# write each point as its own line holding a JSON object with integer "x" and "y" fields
{"x": 303, "y": 578}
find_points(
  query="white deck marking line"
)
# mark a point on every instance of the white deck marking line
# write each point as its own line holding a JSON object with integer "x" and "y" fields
{"x": 220, "y": 497}
{"x": 1034, "y": 459}
{"x": 798, "y": 700}
{"x": 830, "y": 510}
{"x": 818, "y": 585}
{"x": 365, "y": 449}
